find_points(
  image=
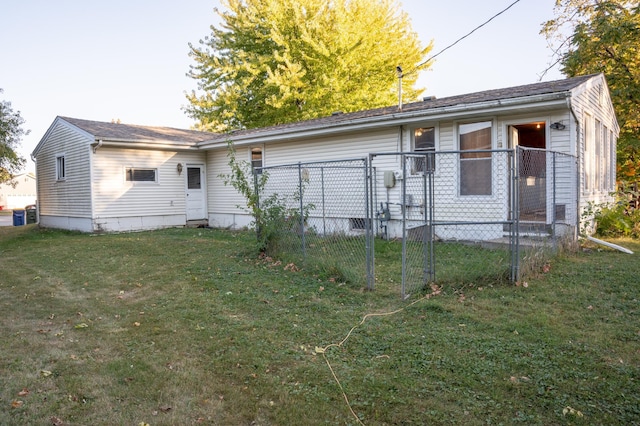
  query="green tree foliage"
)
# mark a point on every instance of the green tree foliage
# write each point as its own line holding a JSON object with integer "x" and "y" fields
{"x": 278, "y": 61}
{"x": 605, "y": 37}
{"x": 11, "y": 133}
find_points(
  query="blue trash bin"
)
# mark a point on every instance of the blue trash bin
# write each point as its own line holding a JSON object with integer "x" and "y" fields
{"x": 18, "y": 217}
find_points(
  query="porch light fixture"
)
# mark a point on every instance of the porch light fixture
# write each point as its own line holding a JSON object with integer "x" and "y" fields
{"x": 557, "y": 126}
{"x": 179, "y": 168}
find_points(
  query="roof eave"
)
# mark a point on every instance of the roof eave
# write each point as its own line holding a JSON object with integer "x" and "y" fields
{"x": 549, "y": 100}
{"x": 143, "y": 144}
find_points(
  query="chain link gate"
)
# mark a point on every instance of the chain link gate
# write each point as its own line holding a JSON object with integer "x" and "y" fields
{"x": 403, "y": 203}
{"x": 453, "y": 212}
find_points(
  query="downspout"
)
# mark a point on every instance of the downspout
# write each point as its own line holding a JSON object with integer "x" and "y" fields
{"x": 37, "y": 190}
{"x": 93, "y": 213}
{"x": 578, "y": 177}
{"x": 98, "y": 145}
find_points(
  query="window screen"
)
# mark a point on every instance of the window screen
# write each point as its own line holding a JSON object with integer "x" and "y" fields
{"x": 193, "y": 178}
{"x": 140, "y": 175}
{"x": 475, "y": 167}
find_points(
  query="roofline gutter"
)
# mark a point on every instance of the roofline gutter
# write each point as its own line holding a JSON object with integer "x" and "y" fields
{"x": 141, "y": 144}
{"x": 399, "y": 118}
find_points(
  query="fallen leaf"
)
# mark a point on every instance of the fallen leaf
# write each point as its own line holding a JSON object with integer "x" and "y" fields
{"x": 137, "y": 324}
{"x": 45, "y": 373}
{"x": 56, "y": 421}
{"x": 16, "y": 404}
{"x": 81, "y": 325}
{"x": 164, "y": 408}
{"x": 23, "y": 392}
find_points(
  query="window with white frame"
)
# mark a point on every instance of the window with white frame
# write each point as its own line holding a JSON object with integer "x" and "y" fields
{"x": 256, "y": 160}
{"x": 424, "y": 141}
{"x": 612, "y": 161}
{"x": 61, "y": 171}
{"x": 475, "y": 166}
{"x": 598, "y": 155}
{"x": 589, "y": 152}
{"x": 135, "y": 174}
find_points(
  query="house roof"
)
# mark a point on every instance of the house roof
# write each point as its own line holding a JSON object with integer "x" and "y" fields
{"x": 524, "y": 92}
{"x": 131, "y": 132}
{"x": 136, "y": 135}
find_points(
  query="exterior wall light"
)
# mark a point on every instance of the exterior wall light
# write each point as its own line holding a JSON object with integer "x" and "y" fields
{"x": 179, "y": 168}
{"x": 557, "y": 126}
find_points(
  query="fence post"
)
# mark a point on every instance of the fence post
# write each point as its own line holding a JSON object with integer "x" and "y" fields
{"x": 554, "y": 210}
{"x": 302, "y": 238}
{"x": 514, "y": 236}
{"x": 369, "y": 241}
{"x": 324, "y": 213}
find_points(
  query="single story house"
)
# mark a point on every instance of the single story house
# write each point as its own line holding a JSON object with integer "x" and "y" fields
{"x": 110, "y": 177}
{"x": 19, "y": 192}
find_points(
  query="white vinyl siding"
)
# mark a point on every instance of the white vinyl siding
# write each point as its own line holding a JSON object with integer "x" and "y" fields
{"x": 70, "y": 197}
{"x": 114, "y": 196}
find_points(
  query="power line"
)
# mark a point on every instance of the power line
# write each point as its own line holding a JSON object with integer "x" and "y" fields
{"x": 465, "y": 36}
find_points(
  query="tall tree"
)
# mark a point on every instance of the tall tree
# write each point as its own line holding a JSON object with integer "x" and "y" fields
{"x": 595, "y": 36}
{"x": 277, "y": 61}
{"x": 11, "y": 133}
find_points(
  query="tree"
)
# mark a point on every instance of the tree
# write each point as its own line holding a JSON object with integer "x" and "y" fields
{"x": 11, "y": 133}
{"x": 605, "y": 37}
{"x": 277, "y": 61}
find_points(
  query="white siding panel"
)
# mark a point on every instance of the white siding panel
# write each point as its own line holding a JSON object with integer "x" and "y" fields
{"x": 350, "y": 146}
{"x": 117, "y": 198}
{"x": 223, "y": 198}
{"x": 446, "y": 141}
{"x": 71, "y": 197}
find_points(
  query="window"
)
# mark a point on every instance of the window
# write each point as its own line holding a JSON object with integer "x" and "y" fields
{"x": 589, "y": 151}
{"x": 256, "y": 160}
{"x": 612, "y": 161}
{"x": 193, "y": 178}
{"x": 357, "y": 223}
{"x": 424, "y": 141}
{"x": 141, "y": 175}
{"x": 475, "y": 167}
{"x": 598, "y": 155}
{"x": 61, "y": 171}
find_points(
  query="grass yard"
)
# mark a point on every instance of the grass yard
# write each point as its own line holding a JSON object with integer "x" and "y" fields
{"x": 187, "y": 326}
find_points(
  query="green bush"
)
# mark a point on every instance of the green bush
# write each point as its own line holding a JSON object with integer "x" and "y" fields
{"x": 618, "y": 220}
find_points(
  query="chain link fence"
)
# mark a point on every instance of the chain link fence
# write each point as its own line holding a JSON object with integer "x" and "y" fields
{"x": 327, "y": 223}
{"x": 462, "y": 217}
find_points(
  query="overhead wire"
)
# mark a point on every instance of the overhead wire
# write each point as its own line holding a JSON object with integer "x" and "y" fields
{"x": 462, "y": 38}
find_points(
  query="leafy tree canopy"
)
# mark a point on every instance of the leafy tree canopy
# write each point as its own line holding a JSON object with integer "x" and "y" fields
{"x": 592, "y": 36}
{"x": 277, "y": 61}
{"x": 11, "y": 133}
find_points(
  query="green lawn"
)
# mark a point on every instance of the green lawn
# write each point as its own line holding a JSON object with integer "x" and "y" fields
{"x": 188, "y": 326}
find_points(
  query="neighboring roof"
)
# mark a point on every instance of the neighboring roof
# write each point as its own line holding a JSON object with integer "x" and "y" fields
{"x": 556, "y": 87}
{"x": 131, "y": 132}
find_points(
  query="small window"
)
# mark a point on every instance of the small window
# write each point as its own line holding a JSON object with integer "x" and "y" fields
{"x": 256, "y": 160}
{"x": 424, "y": 141}
{"x": 141, "y": 175}
{"x": 357, "y": 223}
{"x": 475, "y": 167}
{"x": 194, "y": 180}
{"x": 61, "y": 171}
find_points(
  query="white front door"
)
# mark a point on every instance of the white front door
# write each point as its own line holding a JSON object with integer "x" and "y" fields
{"x": 196, "y": 196}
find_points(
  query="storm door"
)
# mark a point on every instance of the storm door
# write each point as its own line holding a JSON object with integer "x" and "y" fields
{"x": 532, "y": 169}
{"x": 196, "y": 197}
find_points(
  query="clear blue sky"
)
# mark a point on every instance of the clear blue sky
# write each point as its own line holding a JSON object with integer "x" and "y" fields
{"x": 128, "y": 59}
